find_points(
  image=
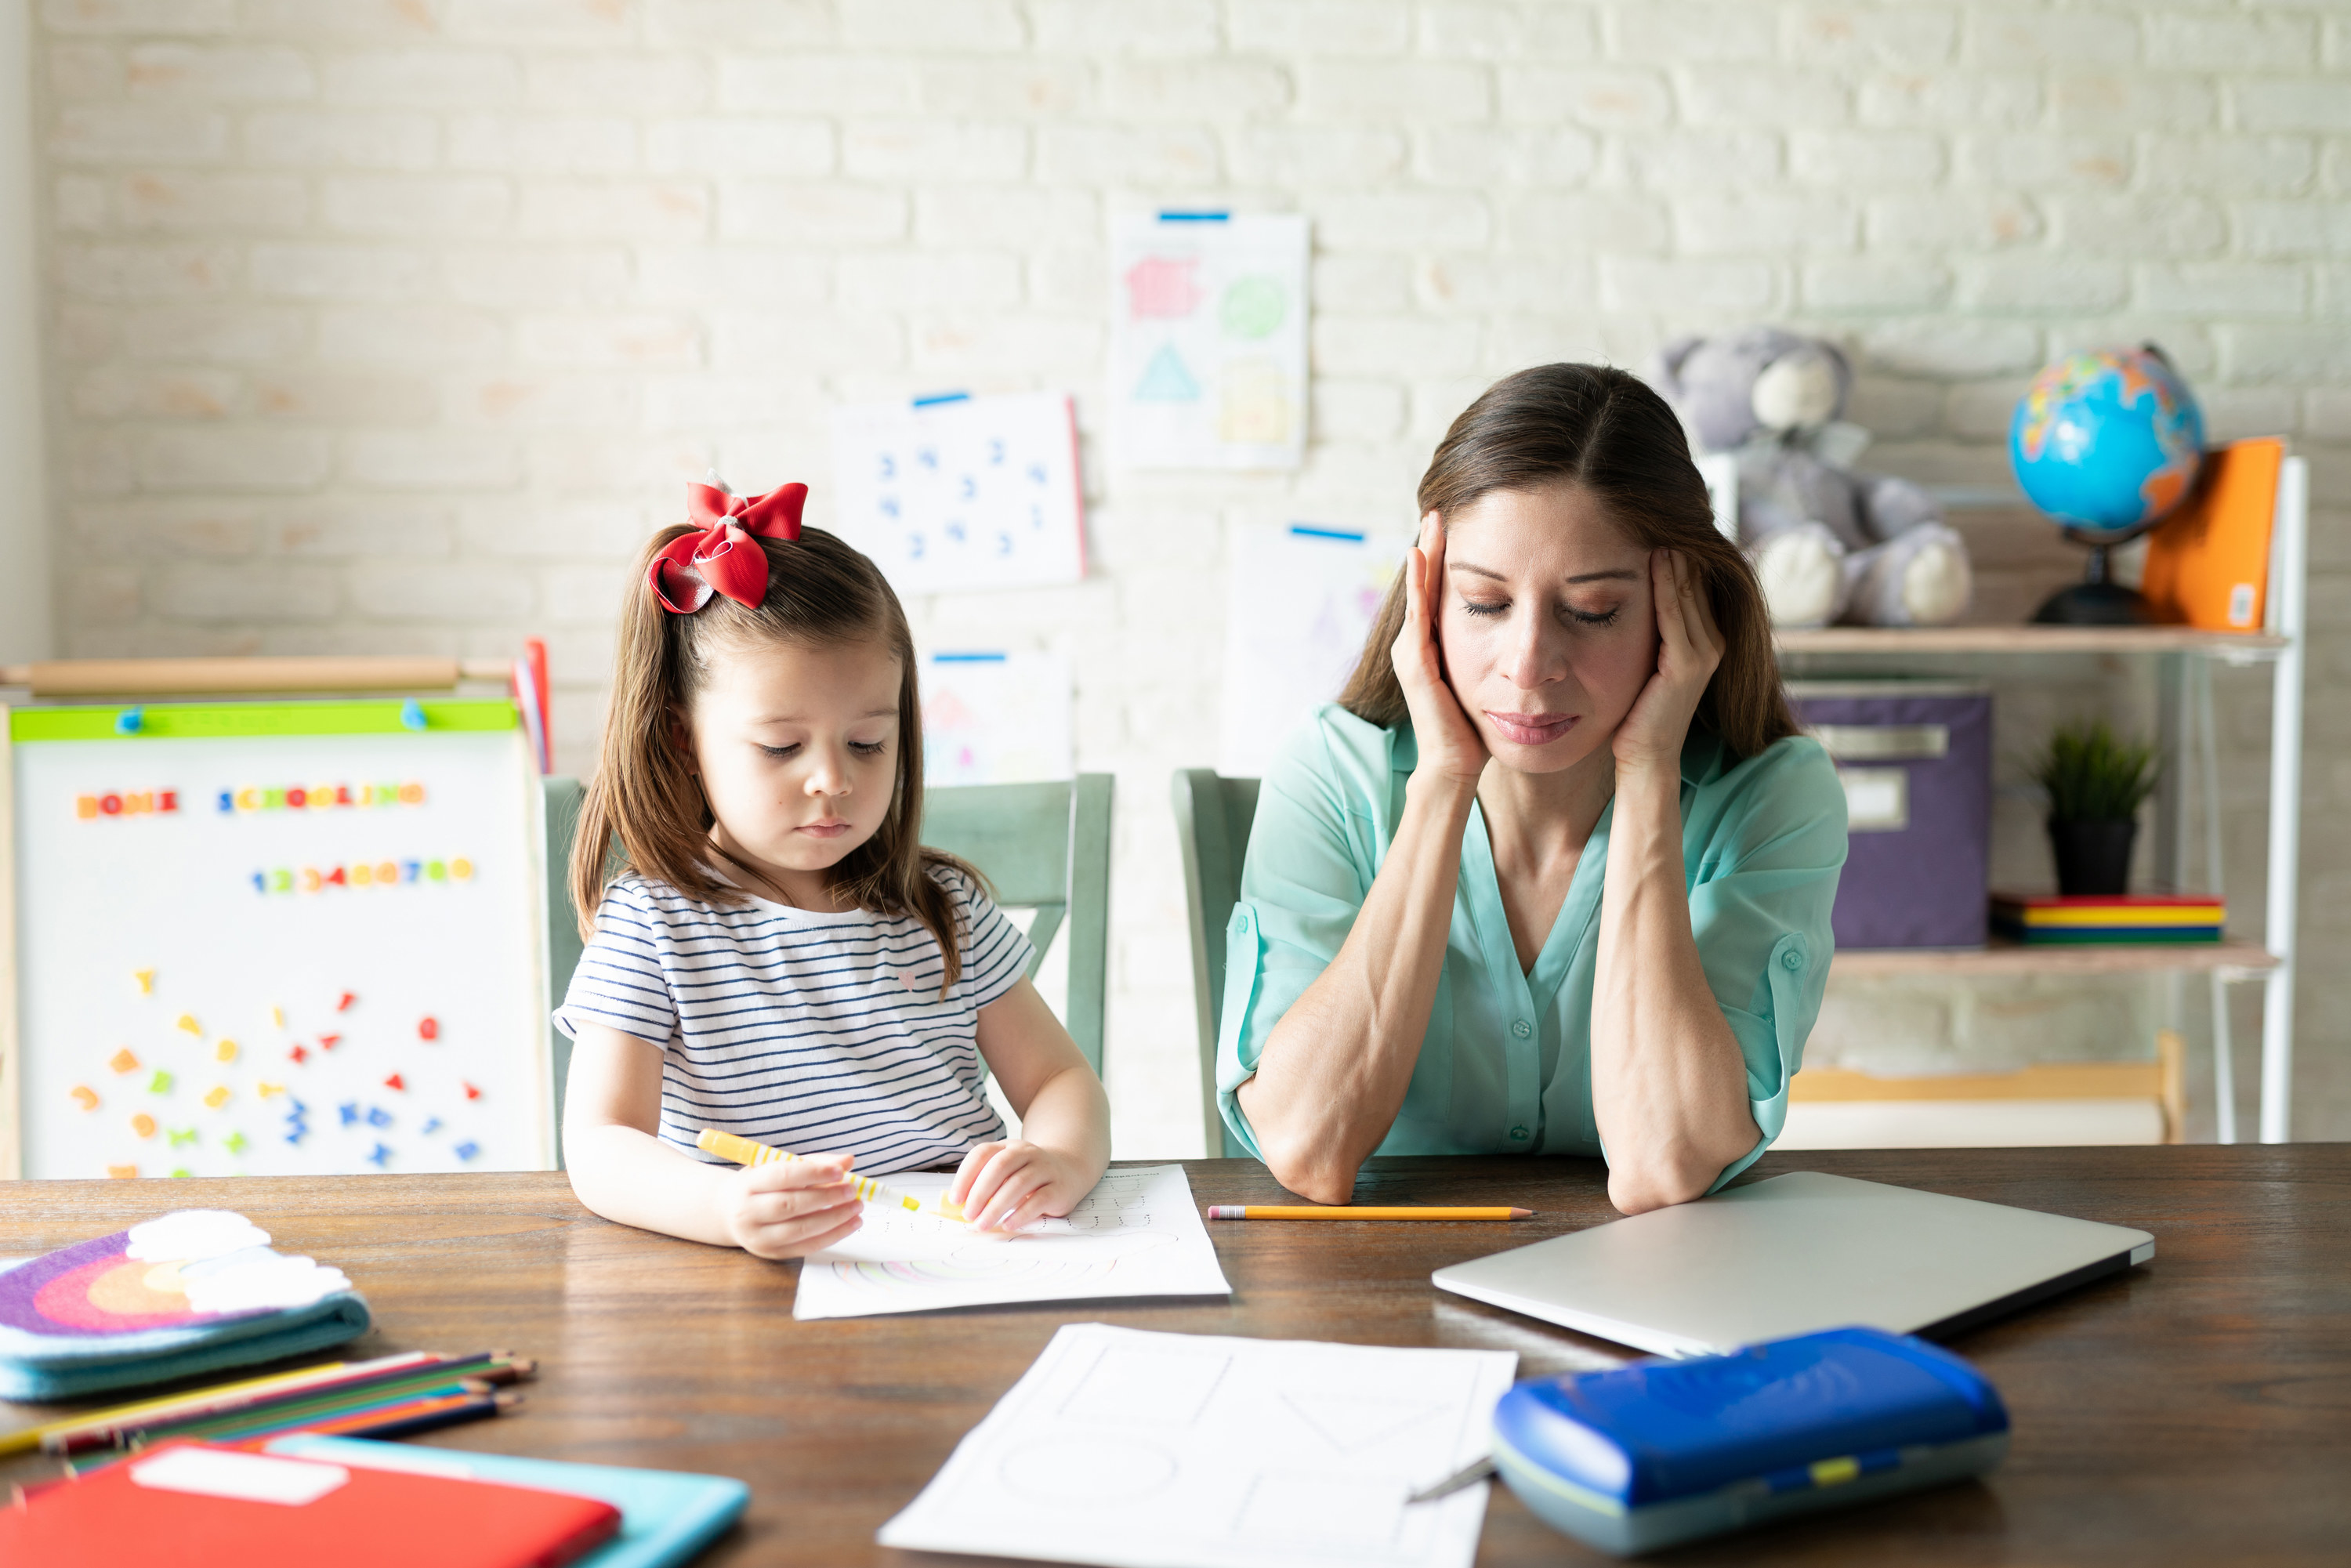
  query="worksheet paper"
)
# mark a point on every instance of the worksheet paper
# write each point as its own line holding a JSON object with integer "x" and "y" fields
{"x": 1207, "y": 351}
{"x": 1161, "y": 1450}
{"x": 996, "y": 717}
{"x": 1138, "y": 1233}
{"x": 1297, "y": 605}
{"x": 955, "y": 493}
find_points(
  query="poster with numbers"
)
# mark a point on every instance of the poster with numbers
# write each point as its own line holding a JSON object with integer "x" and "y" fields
{"x": 1207, "y": 356}
{"x": 956, "y": 493}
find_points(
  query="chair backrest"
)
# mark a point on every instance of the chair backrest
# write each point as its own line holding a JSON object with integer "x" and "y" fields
{"x": 562, "y": 798}
{"x": 1213, "y": 814}
{"x": 1045, "y": 847}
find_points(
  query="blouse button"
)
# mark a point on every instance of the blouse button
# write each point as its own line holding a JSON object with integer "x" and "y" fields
{"x": 1792, "y": 960}
{"x": 1518, "y": 1133}
{"x": 1524, "y": 1029}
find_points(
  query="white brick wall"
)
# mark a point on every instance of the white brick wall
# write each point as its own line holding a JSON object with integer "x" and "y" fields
{"x": 378, "y": 325}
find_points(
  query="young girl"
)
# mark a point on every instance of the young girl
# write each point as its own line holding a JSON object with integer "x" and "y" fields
{"x": 775, "y": 955}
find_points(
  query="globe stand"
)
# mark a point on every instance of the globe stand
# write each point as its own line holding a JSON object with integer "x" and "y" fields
{"x": 2097, "y": 600}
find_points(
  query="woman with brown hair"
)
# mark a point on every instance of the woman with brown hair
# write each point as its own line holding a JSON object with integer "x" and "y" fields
{"x": 1553, "y": 875}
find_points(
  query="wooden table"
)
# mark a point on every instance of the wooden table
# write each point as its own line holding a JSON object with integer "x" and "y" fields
{"x": 2196, "y": 1410}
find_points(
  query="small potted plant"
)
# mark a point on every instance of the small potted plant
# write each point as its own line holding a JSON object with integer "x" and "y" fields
{"x": 2096, "y": 782}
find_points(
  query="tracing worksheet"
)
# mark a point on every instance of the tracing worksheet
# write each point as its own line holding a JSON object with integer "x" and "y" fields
{"x": 1155, "y": 1451}
{"x": 1138, "y": 1233}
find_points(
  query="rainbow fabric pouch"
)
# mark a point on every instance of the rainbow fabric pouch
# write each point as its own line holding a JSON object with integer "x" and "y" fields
{"x": 190, "y": 1292}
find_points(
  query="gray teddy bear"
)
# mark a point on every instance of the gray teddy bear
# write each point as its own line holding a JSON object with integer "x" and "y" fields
{"x": 1828, "y": 544}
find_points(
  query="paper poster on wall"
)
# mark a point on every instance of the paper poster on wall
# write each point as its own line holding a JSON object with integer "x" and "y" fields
{"x": 1208, "y": 358}
{"x": 954, "y": 492}
{"x": 996, "y": 717}
{"x": 277, "y": 939}
{"x": 1297, "y": 605}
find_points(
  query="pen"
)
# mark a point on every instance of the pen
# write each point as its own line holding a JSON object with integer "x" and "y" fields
{"x": 744, "y": 1152}
{"x": 1364, "y": 1211}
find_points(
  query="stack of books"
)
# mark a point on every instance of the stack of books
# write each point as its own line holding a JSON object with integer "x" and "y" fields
{"x": 2121, "y": 917}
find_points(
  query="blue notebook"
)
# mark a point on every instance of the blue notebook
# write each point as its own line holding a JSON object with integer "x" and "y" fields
{"x": 666, "y": 1516}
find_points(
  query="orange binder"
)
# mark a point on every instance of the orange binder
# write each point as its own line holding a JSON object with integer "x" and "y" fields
{"x": 2208, "y": 565}
{"x": 193, "y": 1505}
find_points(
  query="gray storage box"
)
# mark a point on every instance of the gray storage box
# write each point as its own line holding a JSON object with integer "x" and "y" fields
{"x": 1916, "y": 761}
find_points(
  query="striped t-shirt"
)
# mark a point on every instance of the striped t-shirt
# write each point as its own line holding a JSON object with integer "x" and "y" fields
{"x": 815, "y": 1033}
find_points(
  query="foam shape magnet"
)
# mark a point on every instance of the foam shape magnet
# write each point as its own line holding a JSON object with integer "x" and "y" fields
{"x": 179, "y": 1136}
{"x": 277, "y": 1017}
{"x": 379, "y": 1117}
{"x": 269, "y": 1091}
{"x": 217, "y": 1096}
{"x": 86, "y": 1095}
{"x": 187, "y": 1024}
{"x": 428, "y": 1028}
{"x": 225, "y": 1051}
{"x": 160, "y": 1083}
{"x": 468, "y": 1149}
{"x": 184, "y": 1170}
{"x": 378, "y": 1156}
{"x": 123, "y": 1061}
{"x": 395, "y": 1082}
{"x": 122, "y": 1173}
{"x": 143, "y": 1124}
{"x": 350, "y": 1111}
{"x": 297, "y": 1055}
{"x": 329, "y": 1041}
{"x": 146, "y": 979}
{"x": 299, "y": 1109}
{"x": 130, "y": 721}
{"x": 411, "y": 715}
{"x": 472, "y": 1093}
{"x": 344, "y": 1006}
{"x": 432, "y": 1124}
{"x": 235, "y": 1144}
{"x": 297, "y": 1134}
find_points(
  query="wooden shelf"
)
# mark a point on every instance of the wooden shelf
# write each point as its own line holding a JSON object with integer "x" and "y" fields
{"x": 2026, "y": 638}
{"x": 2054, "y": 958}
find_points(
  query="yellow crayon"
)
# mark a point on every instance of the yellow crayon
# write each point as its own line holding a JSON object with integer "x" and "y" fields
{"x": 744, "y": 1152}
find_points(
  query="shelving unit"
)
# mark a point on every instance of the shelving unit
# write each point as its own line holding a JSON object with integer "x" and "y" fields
{"x": 2187, "y": 737}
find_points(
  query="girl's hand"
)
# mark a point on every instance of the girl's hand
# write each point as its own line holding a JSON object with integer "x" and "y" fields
{"x": 1450, "y": 746}
{"x": 1689, "y": 646}
{"x": 791, "y": 1208}
{"x": 1009, "y": 1185}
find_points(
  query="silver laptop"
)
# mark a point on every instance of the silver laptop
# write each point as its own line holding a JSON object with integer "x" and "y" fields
{"x": 1793, "y": 1254}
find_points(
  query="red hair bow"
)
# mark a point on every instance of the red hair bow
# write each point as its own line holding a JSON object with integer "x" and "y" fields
{"x": 724, "y": 558}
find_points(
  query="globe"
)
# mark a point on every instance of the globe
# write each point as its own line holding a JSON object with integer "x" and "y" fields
{"x": 2107, "y": 441}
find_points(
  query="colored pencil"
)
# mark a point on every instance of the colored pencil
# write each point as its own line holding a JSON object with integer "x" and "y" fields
{"x": 30, "y": 1437}
{"x": 419, "y": 1416}
{"x": 1364, "y": 1211}
{"x": 300, "y": 1412}
{"x": 421, "y": 1368}
{"x": 744, "y": 1152}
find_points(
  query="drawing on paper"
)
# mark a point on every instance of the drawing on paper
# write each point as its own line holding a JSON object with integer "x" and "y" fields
{"x": 996, "y": 717}
{"x": 1208, "y": 341}
{"x": 1297, "y": 605}
{"x": 958, "y": 492}
{"x": 1137, "y": 1234}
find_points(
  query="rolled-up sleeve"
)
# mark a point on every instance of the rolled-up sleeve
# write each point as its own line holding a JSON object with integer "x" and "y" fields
{"x": 1313, "y": 848}
{"x": 1764, "y": 877}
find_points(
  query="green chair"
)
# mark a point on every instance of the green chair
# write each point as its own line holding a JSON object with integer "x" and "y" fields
{"x": 1045, "y": 847}
{"x": 1213, "y": 814}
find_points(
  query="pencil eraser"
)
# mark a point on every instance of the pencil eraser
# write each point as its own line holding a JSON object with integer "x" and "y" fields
{"x": 1228, "y": 1211}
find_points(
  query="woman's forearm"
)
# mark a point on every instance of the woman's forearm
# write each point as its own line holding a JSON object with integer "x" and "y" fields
{"x": 1669, "y": 1081}
{"x": 1334, "y": 1071}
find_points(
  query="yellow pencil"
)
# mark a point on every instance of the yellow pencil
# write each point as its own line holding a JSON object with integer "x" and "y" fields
{"x": 1365, "y": 1211}
{"x": 744, "y": 1152}
{"x": 30, "y": 1437}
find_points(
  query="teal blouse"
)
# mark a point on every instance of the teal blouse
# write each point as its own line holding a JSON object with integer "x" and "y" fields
{"x": 1506, "y": 1065}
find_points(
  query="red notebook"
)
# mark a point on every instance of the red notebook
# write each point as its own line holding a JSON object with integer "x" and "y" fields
{"x": 195, "y": 1505}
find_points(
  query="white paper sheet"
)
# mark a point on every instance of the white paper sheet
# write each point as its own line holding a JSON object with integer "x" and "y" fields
{"x": 996, "y": 717}
{"x": 1297, "y": 605}
{"x": 1160, "y": 1450}
{"x": 1138, "y": 1233}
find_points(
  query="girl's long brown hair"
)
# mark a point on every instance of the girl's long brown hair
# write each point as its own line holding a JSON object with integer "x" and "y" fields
{"x": 646, "y": 812}
{"x": 1605, "y": 430}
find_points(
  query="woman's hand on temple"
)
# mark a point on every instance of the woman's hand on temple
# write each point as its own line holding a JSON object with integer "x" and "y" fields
{"x": 1449, "y": 743}
{"x": 1689, "y": 646}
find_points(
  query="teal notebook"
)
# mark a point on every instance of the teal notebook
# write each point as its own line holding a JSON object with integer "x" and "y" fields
{"x": 666, "y": 1516}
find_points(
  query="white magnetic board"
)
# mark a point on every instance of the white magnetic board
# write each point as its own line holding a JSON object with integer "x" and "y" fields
{"x": 276, "y": 938}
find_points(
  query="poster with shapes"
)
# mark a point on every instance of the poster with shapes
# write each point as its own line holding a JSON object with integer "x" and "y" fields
{"x": 996, "y": 717}
{"x": 1297, "y": 605}
{"x": 955, "y": 492}
{"x": 1208, "y": 340}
